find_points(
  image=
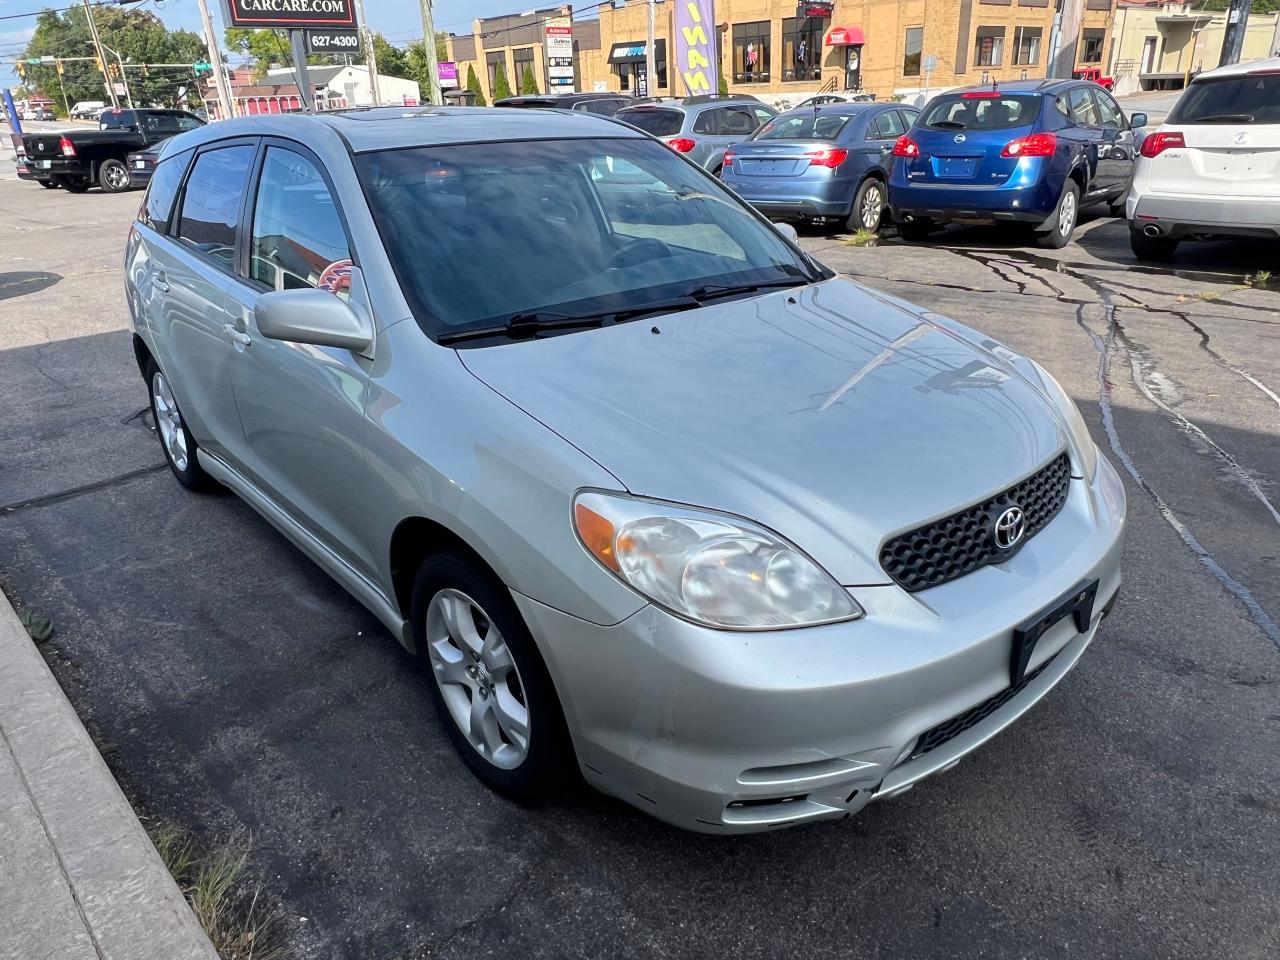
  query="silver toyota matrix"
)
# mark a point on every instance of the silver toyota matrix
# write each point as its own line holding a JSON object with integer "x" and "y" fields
{"x": 657, "y": 497}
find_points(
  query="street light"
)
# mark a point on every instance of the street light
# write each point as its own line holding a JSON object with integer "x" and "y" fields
{"x": 124, "y": 77}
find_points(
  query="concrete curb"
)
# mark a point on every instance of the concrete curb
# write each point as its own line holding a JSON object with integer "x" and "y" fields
{"x": 79, "y": 878}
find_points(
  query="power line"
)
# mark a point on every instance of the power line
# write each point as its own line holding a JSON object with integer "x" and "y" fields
{"x": 74, "y": 6}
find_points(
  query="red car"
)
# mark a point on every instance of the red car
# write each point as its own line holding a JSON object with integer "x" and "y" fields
{"x": 1094, "y": 74}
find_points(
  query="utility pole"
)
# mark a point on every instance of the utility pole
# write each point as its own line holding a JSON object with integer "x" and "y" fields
{"x": 1064, "y": 38}
{"x": 650, "y": 56}
{"x": 429, "y": 44}
{"x": 370, "y": 55}
{"x": 102, "y": 55}
{"x": 215, "y": 62}
{"x": 1233, "y": 37}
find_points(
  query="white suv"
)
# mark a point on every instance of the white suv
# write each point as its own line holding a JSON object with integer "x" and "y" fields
{"x": 1213, "y": 168}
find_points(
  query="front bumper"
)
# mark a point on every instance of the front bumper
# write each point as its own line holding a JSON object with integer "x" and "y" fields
{"x": 1181, "y": 216}
{"x": 727, "y": 732}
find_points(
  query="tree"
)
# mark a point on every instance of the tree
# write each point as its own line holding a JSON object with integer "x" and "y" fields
{"x": 392, "y": 61}
{"x": 442, "y": 45}
{"x": 473, "y": 84}
{"x": 500, "y": 86}
{"x": 527, "y": 83}
{"x": 267, "y": 48}
{"x": 724, "y": 85}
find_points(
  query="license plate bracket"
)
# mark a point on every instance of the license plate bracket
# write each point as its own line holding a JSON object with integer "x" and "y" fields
{"x": 1077, "y": 604}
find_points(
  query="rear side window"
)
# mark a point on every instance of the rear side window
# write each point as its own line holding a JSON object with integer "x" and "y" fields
{"x": 211, "y": 202}
{"x": 298, "y": 240}
{"x": 887, "y": 126}
{"x": 804, "y": 126}
{"x": 1251, "y": 98}
{"x": 1082, "y": 108}
{"x": 1109, "y": 110}
{"x": 157, "y": 205}
{"x": 981, "y": 112}
{"x": 660, "y": 123}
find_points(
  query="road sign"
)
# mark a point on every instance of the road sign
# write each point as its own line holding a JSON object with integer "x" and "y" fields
{"x": 202, "y": 67}
{"x": 930, "y": 63}
{"x": 290, "y": 14}
{"x": 333, "y": 41}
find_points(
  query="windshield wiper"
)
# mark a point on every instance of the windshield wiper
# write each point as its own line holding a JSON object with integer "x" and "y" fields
{"x": 1224, "y": 118}
{"x": 949, "y": 124}
{"x": 532, "y": 322}
{"x": 711, "y": 291}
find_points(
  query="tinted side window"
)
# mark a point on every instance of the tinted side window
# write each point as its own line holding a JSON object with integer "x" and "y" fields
{"x": 889, "y": 125}
{"x": 1083, "y": 110}
{"x": 1109, "y": 111}
{"x": 211, "y": 202}
{"x": 738, "y": 122}
{"x": 909, "y": 117}
{"x": 298, "y": 240}
{"x": 157, "y": 205}
{"x": 709, "y": 122}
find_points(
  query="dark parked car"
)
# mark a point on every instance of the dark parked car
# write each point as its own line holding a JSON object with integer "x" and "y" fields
{"x": 141, "y": 166}
{"x": 606, "y": 104}
{"x": 79, "y": 159}
{"x": 701, "y": 127}
{"x": 1032, "y": 151}
{"x": 822, "y": 164}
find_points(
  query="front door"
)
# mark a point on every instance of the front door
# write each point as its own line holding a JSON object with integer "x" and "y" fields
{"x": 301, "y": 406}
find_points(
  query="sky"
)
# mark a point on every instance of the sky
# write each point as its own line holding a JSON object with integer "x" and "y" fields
{"x": 398, "y": 20}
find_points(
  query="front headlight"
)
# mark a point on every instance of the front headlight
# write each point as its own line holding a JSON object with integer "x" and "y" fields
{"x": 713, "y": 569}
{"x": 1081, "y": 439}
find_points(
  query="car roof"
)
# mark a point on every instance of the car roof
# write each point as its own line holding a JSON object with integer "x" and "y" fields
{"x": 843, "y": 108}
{"x": 689, "y": 104}
{"x": 560, "y": 98}
{"x": 1268, "y": 65}
{"x": 1020, "y": 86}
{"x": 389, "y": 128}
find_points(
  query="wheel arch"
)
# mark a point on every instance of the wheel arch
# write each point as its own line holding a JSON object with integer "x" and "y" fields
{"x": 142, "y": 354}
{"x": 414, "y": 540}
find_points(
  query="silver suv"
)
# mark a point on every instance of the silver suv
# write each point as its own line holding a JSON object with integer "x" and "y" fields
{"x": 655, "y": 496}
{"x": 701, "y": 127}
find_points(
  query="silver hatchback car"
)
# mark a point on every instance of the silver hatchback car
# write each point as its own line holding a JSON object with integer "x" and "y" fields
{"x": 656, "y": 496}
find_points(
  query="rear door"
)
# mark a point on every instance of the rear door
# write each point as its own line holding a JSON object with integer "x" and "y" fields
{"x": 1115, "y": 146}
{"x": 1086, "y": 128}
{"x": 1231, "y": 130}
{"x": 961, "y": 137}
{"x": 883, "y": 132}
{"x": 190, "y": 274}
{"x": 301, "y": 406}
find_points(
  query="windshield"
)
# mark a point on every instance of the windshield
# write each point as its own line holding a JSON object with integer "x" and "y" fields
{"x": 481, "y": 233}
{"x": 980, "y": 112}
{"x": 1252, "y": 98}
{"x": 660, "y": 123}
{"x": 811, "y": 125}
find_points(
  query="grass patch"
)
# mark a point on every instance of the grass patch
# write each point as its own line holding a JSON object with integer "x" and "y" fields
{"x": 225, "y": 901}
{"x": 861, "y": 238}
{"x": 1261, "y": 278}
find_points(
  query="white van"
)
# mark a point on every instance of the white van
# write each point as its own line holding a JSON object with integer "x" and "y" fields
{"x": 87, "y": 109}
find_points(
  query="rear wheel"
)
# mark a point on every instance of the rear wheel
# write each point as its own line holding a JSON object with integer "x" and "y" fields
{"x": 113, "y": 176}
{"x": 175, "y": 439}
{"x": 1151, "y": 248}
{"x": 868, "y": 206}
{"x": 1063, "y": 221}
{"x": 489, "y": 683}
{"x": 915, "y": 231}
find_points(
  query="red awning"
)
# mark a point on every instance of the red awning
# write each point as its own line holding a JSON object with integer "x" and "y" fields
{"x": 846, "y": 37}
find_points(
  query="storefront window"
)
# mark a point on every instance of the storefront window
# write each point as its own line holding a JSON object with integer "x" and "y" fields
{"x": 523, "y": 59}
{"x": 1026, "y": 45}
{"x": 496, "y": 61}
{"x": 627, "y": 60}
{"x": 989, "y": 49}
{"x": 751, "y": 52}
{"x": 911, "y": 52}
{"x": 1091, "y": 45}
{"x": 802, "y": 47}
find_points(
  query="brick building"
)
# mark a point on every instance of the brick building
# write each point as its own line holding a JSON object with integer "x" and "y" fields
{"x": 773, "y": 48}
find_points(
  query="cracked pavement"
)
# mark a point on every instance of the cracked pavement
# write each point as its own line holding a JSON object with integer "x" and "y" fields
{"x": 1133, "y": 813}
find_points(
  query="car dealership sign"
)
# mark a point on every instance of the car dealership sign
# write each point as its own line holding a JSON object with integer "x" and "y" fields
{"x": 289, "y": 14}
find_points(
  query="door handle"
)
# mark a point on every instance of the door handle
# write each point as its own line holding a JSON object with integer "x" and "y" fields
{"x": 237, "y": 336}
{"x": 160, "y": 282}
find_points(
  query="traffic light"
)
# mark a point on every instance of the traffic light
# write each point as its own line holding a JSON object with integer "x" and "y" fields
{"x": 22, "y": 70}
{"x": 101, "y": 69}
{"x": 61, "y": 68}
{"x": 113, "y": 71}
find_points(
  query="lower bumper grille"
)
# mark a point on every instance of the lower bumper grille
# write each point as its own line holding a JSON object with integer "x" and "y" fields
{"x": 935, "y": 737}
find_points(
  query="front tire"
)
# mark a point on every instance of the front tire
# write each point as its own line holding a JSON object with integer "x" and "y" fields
{"x": 488, "y": 682}
{"x": 1159, "y": 249}
{"x": 175, "y": 439}
{"x": 1063, "y": 220}
{"x": 113, "y": 176}
{"x": 868, "y": 206}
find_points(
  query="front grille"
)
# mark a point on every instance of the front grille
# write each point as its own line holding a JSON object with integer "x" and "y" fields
{"x": 935, "y": 737}
{"x": 961, "y": 543}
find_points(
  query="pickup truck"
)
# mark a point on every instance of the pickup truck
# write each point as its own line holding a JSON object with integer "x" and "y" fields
{"x": 78, "y": 159}
{"x": 1094, "y": 74}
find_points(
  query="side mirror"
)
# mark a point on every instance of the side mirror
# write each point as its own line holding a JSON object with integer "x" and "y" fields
{"x": 313, "y": 316}
{"x": 1137, "y": 121}
{"x": 787, "y": 231}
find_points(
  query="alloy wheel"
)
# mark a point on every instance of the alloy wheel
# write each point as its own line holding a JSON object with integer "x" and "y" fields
{"x": 478, "y": 678}
{"x": 1067, "y": 214}
{"x": 169, "y": 421}
{"x": 872, "y": 207}
{"x": 117, "y": 176}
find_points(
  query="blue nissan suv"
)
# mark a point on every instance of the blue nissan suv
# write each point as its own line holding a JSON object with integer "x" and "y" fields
{"x": 1033, "y": 151}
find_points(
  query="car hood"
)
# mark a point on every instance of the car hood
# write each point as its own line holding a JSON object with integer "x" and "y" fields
{"x": 830, "y": 413}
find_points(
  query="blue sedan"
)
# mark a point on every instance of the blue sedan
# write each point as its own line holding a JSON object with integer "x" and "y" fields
{"x": 1030, "y": 151}
{"x": 820, "y": 164}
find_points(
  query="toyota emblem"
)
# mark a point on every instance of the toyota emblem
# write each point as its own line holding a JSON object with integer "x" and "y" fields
{"x": 959, "y": 138}
{"x": 1009, "y": 528}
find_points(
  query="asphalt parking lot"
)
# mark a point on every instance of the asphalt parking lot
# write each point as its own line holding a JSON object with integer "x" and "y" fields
{"x": 1133, "y": 813}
